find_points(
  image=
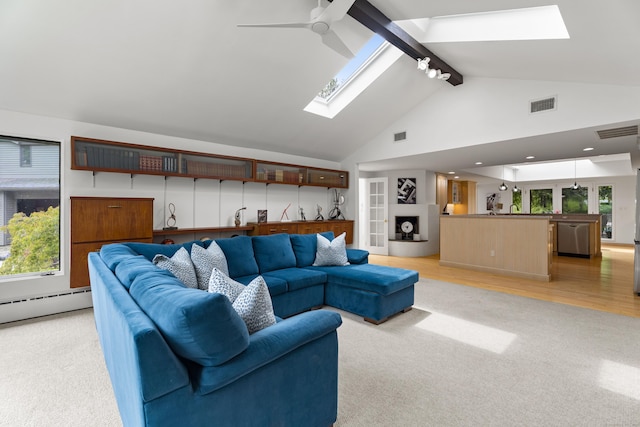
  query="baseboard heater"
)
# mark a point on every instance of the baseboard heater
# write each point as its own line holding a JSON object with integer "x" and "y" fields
{"x": 22, "y": 308}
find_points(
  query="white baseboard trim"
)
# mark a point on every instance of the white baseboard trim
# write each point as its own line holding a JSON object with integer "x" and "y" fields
{"x": 44, "y": 305}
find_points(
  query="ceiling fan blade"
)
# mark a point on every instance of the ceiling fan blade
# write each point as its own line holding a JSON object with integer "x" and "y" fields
{"x": 331, "y": 39}
{"x": 283, "y": 25}
{"x": 336, "y": 11}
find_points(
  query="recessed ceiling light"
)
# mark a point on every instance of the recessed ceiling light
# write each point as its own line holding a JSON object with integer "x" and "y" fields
{"x": 456, "y": 177}
{"x": 478, "y": 163}
{"x": 530, "y": 157}
{"x": 587, "y": 149}
{"x": 451, "y": 173}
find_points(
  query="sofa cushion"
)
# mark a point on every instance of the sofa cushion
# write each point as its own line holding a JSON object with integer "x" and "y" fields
{"x": 199, "y": 326}
{"x": 149, "y": 250}
{"x": 205, "y": 260}
{"x": 239, "y": 253}
{"x": 114, "y": 253}
{"x": 380, "y": 279}
{"x": 305, "y": 247}
{"x": 254, "y": 306}
{"x": 128, "y": 269}
{"x": 276, "y": 285}
{"x": 225, "y": 285}
{"x": 180, "y": 265}
{"x": 297, "y": 278}
{"x": 273, "y": 252}
{"x": 332, "y": 252}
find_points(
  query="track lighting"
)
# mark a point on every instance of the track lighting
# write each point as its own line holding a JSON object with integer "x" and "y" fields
{"x": 423, "y": 65}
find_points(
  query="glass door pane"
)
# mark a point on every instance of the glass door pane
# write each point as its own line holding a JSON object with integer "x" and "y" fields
{"x": 605, "y": 209}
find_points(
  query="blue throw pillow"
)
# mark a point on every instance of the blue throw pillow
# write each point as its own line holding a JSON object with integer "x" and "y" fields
{"x": 199, "y": 326}
{"x": 273, "y": 252}
{"x": 239, "y": 253}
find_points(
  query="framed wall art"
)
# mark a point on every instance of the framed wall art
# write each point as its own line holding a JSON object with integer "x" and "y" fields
{"x": 406, "y": 191}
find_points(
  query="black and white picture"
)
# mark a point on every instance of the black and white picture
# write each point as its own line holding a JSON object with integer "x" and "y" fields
{"x": 406, "y": 191}
{"x": 492, "y": 200}
{"x": 262, "y": 215}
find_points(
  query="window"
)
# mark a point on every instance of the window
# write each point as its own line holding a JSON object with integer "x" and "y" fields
{"x": 575, "y": 201}
{"x": 25, "y": 155}
{"x": 541, "y": 200}
{"x": 29, "y": 206}
{"x": 516, "y": 202}
{"x": 605, "y": 209}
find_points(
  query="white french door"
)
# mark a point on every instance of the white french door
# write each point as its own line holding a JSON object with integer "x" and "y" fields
{"x": 375, "y": 214}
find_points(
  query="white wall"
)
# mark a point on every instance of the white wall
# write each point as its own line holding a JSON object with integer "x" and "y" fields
{"x": 200, "y": 203}
{"x": 425, "y": 196}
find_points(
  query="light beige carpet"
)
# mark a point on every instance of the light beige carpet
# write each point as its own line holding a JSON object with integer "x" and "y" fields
{"x": 462, "y": 357}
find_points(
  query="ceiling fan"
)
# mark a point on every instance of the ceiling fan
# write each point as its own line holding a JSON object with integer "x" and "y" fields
{"x": 320, "y": 22}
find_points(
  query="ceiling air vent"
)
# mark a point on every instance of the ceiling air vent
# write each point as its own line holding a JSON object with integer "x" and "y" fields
{"x": 400, "y": 136}
{"x": 545, "y": 104}
{"x": 618, "y": 132}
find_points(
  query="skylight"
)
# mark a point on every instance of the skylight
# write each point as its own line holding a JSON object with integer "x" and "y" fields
{"x": 352, "y": 68}
{"x": 532, "y": 23}
{"x": 371, "y": 61}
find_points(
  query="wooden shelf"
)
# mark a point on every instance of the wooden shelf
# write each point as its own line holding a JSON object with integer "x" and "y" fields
{"x": 200, "y": 230}
{"x": 110, "y": 156}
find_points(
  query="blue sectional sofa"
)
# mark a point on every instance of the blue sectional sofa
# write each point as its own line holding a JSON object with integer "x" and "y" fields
{"x": 182, "y": 356}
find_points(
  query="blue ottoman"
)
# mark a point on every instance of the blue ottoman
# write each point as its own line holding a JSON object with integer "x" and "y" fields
{"x": 375, "y": 292}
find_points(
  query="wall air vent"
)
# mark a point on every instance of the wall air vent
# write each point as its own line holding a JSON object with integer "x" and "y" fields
{"x": 618, "y": 132}
{"x": 545, "y": 104}
{"x": 400, "y": 136}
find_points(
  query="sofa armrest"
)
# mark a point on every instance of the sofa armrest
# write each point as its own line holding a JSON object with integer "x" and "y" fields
{"x": 140, "y": 363}
{"x": 357, "y": 256}
{"x": 266, "y": 346}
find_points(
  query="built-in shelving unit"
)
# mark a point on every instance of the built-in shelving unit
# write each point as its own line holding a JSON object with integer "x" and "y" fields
{"x": 109, "y": 156}
{"x": 178, "y": 231}
{"x": 282, "y": 173}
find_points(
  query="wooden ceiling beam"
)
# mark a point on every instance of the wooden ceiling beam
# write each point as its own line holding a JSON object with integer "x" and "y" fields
{"x": 372, "y": 18}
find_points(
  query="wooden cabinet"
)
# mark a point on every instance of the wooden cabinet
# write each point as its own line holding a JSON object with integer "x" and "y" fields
{"x": 463, "y": 196}
{"x": 304, "y": 227}
{"x": 96, "y": 221}
{"x": 110, "y": 156}
{"x": 283, "y": 173}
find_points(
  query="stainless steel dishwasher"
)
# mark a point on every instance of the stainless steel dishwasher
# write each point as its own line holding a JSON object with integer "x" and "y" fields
{"x": 573, "y": 238}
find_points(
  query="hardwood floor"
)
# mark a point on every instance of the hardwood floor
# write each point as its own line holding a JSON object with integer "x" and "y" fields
{"x": 604, "y": 283}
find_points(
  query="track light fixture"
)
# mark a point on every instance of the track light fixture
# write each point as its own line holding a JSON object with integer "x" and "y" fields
{"x": 423, "y": 65}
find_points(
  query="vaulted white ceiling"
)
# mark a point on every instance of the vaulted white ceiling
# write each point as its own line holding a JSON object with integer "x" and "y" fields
{"x": 185, "y": 69}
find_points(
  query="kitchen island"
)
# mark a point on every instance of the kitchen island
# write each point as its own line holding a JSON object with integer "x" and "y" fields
{"x": 514, "y": 245}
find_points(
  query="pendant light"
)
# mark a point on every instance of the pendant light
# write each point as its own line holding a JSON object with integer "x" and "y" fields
{"x": 575, "y": 185}
{"x": 515, "y": 181}
{"x": 503, "y": 186}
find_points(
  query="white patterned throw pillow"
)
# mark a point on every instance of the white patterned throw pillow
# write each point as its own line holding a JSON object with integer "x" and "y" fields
{"x": 331, "y": 252}
{"x": 220, "y": 283}
{"x": 179, "y": 265}
{"x": 254, "y": 306}
{"x": 205, "y": 260}
{"x": 251, "y": 302}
